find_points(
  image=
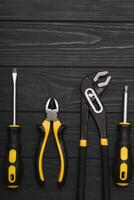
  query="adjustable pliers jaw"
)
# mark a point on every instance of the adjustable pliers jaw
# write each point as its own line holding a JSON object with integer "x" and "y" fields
{"x": 92, "y": 88}
{"x": 98, "y": 82}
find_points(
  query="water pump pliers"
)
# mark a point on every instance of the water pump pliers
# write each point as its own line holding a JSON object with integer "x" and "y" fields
{"x": 51, "y": 125}
{"x": 92, "y": 88}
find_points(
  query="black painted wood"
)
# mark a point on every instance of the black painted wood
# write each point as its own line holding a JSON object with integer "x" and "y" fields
{"x": 66, "y": 44}
{"x": 110, "y": 10}
{"x": 55, "y": 44}
{"x": 30, "y": 135}
{"x": 30, "y": 189}
{"x": 36, "y": 85}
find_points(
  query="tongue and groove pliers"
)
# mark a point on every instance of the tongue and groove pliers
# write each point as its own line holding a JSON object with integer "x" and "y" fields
{"x": 51, "y": 125}
{"x": 92, "y": 88}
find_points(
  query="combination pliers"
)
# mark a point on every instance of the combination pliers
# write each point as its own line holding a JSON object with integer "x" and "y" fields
{"x": 51, "y": 125}
{"x": 92, "y": 88}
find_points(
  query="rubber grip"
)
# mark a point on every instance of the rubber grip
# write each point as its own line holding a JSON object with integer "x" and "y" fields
{"x": 82, "y": 173}
{"x": 45, "y": 129}
{"x": 62, "y": 175}
{"x": 40, "y": 152}
{"x": 13, "y": 163}
{"x": 105, "y": 173}
{"x": 122, "y": 164}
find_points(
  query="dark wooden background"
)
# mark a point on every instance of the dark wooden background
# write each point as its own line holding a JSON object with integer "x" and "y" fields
{"x": 55, "y": 43}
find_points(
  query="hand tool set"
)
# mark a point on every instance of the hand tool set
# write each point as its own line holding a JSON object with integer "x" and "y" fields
{"x": 92, "y": 88}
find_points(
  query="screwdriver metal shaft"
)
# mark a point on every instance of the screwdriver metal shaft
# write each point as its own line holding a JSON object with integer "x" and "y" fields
{"x": 125, "y": 104}
{"x": 14, "y": 76}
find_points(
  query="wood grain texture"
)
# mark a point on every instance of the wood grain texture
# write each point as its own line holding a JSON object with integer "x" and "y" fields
{"x": 66, "y": 44}
{"x": 36, "y": 85}
{"x": 55, "y": 44}
{"x": 30, "y": 134}
{"x": 30, "y": 189}
{"x": 62, "y": 10}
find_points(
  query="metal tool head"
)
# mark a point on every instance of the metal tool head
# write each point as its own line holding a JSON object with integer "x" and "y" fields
{"x": 125, "y": 104}
{"x": 97, "y": 81}
{"x": 92, "y": 88}
{"x": 101, "y": 81}
{"x": 14, "y": 77}
{"x": 52, "y": 108}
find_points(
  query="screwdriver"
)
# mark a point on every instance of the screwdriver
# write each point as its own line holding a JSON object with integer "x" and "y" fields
{"x": 13, "y": 164}
{"x": 123, "y": 157}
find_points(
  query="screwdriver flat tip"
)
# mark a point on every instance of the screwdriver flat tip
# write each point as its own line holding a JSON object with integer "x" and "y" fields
{"x": 126, "y": 88}
{"x": 14, "y": 70}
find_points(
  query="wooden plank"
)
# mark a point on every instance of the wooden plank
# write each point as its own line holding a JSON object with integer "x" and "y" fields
{"x": 30, "y": 135}
{"x": 36, "y": 85}
{"x": 66, "y": 44}
{"x": 119, "y": 10}
{"x": 30, "y": 189}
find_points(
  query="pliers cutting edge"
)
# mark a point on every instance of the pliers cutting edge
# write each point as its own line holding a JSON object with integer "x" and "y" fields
{"x": 92, "y": 87}
{"x": 52, "y": 125}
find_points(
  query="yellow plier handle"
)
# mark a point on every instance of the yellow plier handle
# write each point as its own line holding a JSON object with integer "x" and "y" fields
{"x": 57, "y": 131}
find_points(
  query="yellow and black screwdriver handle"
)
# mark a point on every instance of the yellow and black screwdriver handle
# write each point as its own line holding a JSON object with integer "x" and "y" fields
{"x": 13, "y": 165}
{"x": 122, "y": 163}
{"x": 57, "y": 129}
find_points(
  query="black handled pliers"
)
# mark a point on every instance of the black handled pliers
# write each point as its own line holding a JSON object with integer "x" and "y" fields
{"x": 92, "y": 88}
{"x": 51, "y": 125}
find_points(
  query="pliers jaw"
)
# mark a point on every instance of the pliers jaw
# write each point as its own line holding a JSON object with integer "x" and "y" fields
{"x": 92, "y": 88}
{"x": 98, "y": 82}
{"x": 101, "y": 81}
{"x": 52, "y": 108}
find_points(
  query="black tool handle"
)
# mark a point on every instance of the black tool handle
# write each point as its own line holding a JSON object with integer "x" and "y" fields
{"x": 57, "y": 129}
{"x": 39, "y": 156}
{"x": 61, "y": 147}
{"x": 82, "y": 152}
{"x": 105, "y": 172}
{"x": 13, "y": 165}
{"x": 122, "y": 164}
{"x": 82, "y": 173}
